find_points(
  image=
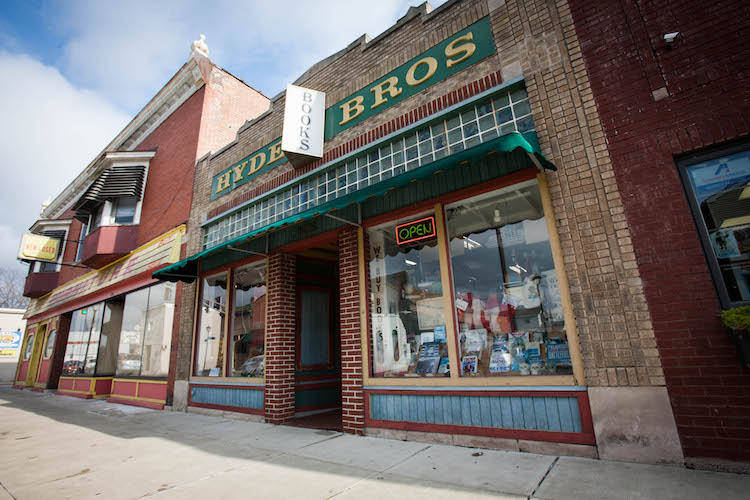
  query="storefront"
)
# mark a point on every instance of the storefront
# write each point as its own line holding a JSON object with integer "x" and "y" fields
{"x": 433, "y": 275}
{"x": 108, "y": 333}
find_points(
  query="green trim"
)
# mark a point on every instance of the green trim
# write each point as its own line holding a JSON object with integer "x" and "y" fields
{"x": 519, "y": 156}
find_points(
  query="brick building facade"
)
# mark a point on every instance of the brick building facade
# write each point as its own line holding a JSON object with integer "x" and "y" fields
{"x": 667, "y": 106}
{"x": 469, "y": 108}
{"x": 99, "y": 325}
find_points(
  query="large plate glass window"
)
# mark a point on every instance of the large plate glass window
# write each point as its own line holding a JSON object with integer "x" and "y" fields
{"x": 211, "y": 338}
{"x": 508, "y": 307}
{"x": 130, "y": 350}
{"x": 80, "y": 351}
{"x": 406, "y": 299}
{"x": 157, "y": 338}
{"x": 249, "y": 320}
{"x": 718, "y": 186}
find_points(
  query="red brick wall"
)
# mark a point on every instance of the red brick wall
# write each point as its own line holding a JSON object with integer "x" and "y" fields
{"x": 169, "y": 188}
{"x": 280, "y": 338}
{"x": 352, "y": 399}
{"x": 68, "y": 273}
{"x": 657, "y": 103}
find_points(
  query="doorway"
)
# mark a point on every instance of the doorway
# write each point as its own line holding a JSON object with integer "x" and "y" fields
{"x": 317, "y": 358}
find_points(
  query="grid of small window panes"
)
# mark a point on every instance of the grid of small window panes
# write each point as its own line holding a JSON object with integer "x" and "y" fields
{"x": 500, "y": 114}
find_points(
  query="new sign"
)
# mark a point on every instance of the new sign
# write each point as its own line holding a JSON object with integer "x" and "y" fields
{"x": 304, "y": 115}
{"x": 417, "y": 230}
{"x": 38, "y": 247}
{"x": 454, "y": 54}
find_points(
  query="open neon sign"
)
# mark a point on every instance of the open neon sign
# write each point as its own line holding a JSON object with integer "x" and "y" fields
{"x": 416, "y": 230}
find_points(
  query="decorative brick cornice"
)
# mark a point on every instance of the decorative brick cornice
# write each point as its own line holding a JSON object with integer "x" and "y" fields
{"x": 389, "y": 127}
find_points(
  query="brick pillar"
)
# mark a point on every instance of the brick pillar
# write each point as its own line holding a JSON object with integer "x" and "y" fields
{"x": 280, "y": 338}
{"x": 352, "y": 396}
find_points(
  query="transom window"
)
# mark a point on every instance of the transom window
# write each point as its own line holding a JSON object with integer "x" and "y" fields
{"x": 503, "y": 113}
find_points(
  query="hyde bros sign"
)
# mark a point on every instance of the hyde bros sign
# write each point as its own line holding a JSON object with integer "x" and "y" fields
{"x": 454, "y": 54}
{"x": 417, "y": 230}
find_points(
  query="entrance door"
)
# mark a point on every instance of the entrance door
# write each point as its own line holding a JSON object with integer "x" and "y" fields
{"x": 36, "y": 354}
{"x": 317, "y": 366}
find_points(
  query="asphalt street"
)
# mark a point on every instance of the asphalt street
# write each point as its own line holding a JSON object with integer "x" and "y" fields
{"x": 61, "y": 447}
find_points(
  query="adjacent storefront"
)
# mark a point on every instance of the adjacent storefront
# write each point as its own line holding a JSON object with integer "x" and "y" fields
{"x": 107, "y": 333}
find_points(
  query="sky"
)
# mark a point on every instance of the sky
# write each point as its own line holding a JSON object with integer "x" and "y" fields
{"x": 73, "y": 73}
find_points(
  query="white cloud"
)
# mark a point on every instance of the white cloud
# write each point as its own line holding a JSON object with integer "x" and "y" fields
{"x": 129, "y": 53}
{"x": 49, "y": 133}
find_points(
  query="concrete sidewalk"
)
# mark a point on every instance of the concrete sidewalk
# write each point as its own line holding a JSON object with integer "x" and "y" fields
{"x": 60, "y": 447}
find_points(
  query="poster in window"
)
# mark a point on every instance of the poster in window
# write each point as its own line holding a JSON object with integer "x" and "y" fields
{"x": 725, "y": 244}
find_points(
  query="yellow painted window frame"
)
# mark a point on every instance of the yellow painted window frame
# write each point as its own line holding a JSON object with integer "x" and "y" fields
{"x": 455, "y": 380}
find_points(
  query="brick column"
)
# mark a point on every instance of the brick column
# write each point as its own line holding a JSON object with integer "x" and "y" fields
{"x": 280, "y": 338}
{"x": 352, "y": 396}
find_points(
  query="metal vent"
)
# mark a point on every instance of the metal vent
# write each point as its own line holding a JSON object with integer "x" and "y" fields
{"x": 115, "y": 182}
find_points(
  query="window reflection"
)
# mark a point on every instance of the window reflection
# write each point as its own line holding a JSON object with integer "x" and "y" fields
{"x": 211, "y": 334}
{"x": 249, "y": 320}
{"x": 406, "y": 304}
{"x": 721, "y": 188}
{"x": 510, "y": 317}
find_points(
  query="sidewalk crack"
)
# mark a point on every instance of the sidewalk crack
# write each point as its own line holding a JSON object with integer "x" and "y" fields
{"x": 543, "y": 478}
{"x": 6, "y": 491}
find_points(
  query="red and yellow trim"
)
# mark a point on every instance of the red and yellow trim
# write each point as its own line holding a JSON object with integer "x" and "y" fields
{"x": 137, "y": 392}
{"x": 85, "y": 387}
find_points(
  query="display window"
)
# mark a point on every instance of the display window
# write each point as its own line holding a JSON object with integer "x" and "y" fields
{"x": 129, "y": 335}
{"x": 718, "y": 186}
{"x": 83, "y": 341}
{"x": 406, "y": 299}
{"x": 248, "y": 320}
{"x": 146, "y": 334}
{"x": 507, "y": 303}
{"x": 468, "y": 294}
{"x": 211, "y": 334}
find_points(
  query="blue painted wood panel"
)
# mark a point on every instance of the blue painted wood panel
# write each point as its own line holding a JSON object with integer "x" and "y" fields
{"x": 503, "y": 412}
{"x": 227, "y": 396}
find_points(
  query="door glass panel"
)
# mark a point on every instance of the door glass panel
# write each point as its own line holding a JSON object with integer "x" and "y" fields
{"x": 50, "y": 344}
{"x": 314, "y": 327}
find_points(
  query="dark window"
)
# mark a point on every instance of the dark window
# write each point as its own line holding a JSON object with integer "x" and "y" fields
{"x": 718, "y": 187}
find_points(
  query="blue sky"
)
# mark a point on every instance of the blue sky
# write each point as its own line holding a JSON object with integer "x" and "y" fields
{"x": 73, "y": 73}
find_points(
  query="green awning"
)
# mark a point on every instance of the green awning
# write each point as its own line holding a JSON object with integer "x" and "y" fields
{"x": 187, "y": 269}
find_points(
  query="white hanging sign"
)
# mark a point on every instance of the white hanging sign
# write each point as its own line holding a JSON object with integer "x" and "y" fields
{"x": 304, "y": 121}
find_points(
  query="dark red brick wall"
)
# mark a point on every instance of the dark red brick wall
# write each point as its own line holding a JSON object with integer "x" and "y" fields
{"x": 705, "y": 83}
{"x": 352, "y": 395}
{"x": 68, "y": 273}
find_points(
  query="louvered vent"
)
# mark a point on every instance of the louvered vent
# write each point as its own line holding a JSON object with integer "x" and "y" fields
{"x": 115, "y": 182}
